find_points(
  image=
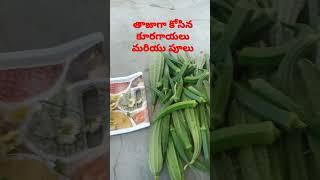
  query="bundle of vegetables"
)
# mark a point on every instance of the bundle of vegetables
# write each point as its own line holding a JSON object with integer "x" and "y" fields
{"x": 180, "y": 128}
{"x": 265, "y": 90}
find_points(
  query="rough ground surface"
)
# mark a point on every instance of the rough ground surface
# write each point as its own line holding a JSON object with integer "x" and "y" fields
{"x": 129, "y": 152}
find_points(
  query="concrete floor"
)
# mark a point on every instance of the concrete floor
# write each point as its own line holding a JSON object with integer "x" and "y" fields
{"x": 129, "y": 152}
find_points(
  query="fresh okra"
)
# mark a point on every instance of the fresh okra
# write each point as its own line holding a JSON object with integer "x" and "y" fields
{"x": 174, "y": 107}
{"x": 155, "y": 150}
{"x": 243, "y": 135}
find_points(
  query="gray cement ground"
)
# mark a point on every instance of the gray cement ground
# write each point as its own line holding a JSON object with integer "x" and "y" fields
{"x": 129, "y": 152}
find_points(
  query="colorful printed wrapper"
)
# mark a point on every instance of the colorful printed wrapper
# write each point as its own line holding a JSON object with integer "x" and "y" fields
{"x": 53, "y": 112}
{"x": 128, "y": 104}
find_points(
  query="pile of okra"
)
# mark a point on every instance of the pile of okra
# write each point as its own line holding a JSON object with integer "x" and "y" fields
{"x": 179, "y": 137}
{"x": 265, "y": 90}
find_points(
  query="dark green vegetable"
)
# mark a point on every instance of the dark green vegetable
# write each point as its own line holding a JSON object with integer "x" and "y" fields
{"x": 173, "y": 163}
{"x": 221, "y": 10}
{"x": 217, "y": 32}
{"x": 178, "y": 144}
{"x": 205, "y": 134}
{"x": 240, "y": 16}
{"x": 194, "y": 128}
{"x": 184, "y": 121}
{"x": 207, "y": 89}
{"x": 172, "y": 59}
{"x": 224, "y": 5}
{"x": 184, "y": 58}
{"x": 155, "y": 150}
{"x": 264, "y": 3}
{"x": 182, "y": 72}
{"x": 275, "y": 96}
{"x": 260, "y": 152}
{"x": 243, "y": 135}
{"x": 181, "y": 130}
{"x": 225, "y": 167}
{"x": 165, "y": 80}
{"x": 262, "y": 21}
{"x": 285, "y": 70}
{"x": 262, "y": 56}
{"x": 193, "y": 96}
{"x": 178, "y": 89}
{"x": 194, "y": 79}
{"x": 174, "y": 107}
{"x": 300, "y": 29}
{"x": 222, "y": 91}
{"x": 186, "y": 155}
{"x": 314, "y": 145}
{"x": 175, "y": 68}
{"x": 278, "y": 160}
{"x": 311, "y": 76}
{"x": 158, "y": 93}
{"x": 271, "y": 82}
{"x": 196, "y": 91}
{"x": 167, "y": 96}
{"x": 190, "y": 70}
{"x": 165, "y": 130}
{"x": 245, "y": 155}
{"x": 285, "y": 119}
{"x": 295, "y": 157}
{"x": 155, "y": 73}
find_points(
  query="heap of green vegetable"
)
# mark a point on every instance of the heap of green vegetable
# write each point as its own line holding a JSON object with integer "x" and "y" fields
{"x": 180, "y": 128}
{"x": 265, "y": 90}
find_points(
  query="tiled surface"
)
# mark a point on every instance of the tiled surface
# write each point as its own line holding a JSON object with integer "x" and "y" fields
{"x": 129, "y": 152}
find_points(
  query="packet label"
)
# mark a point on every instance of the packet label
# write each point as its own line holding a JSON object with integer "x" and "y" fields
{"x": 128, "y": 104}
{"x": 53, "y": 112}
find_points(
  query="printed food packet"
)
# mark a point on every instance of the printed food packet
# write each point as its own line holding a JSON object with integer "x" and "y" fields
{"x": 128, "y": 104}
{"x": 53, "y": 112}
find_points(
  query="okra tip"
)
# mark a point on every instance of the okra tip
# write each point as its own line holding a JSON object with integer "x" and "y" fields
{"x": 194, "y": 103}
{"x": 186, "y": 166}
{"x": 298, "y": 124}
{"x": 189, "y": 164}
{"x": 202, "y": 100}
{"x": 276, "y": 133}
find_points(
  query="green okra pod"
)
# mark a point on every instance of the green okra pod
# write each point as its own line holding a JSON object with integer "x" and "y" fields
{"x": 243, "y": 135}
{"x": 174, "y": 164}
{"x": 155, "y": 150}
{"x": 285, "y": 119}
{"x": 194, "y": 127}
{"x": 193, "y": 96}
{"x": 222, "y": 91}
